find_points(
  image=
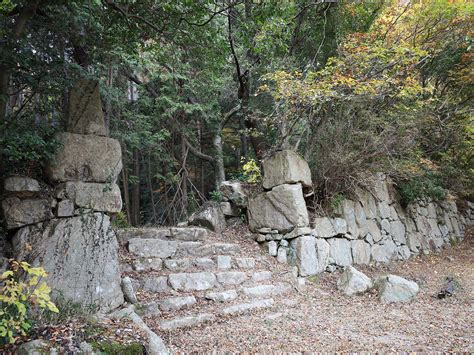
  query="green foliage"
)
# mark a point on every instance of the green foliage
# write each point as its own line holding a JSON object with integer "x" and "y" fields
{"x": 114, "y": 348}
{"x": 216, "y": 196}
{"x": 24, "y": 146}
{"x": 251, "y": 172}
{"x": 22, "y": 290}
{"x": 428, "y": 185}
{"x": 120, "y": 220}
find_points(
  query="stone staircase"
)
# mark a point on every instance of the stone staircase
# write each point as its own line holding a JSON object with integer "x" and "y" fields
{"x": 187, "y": 276}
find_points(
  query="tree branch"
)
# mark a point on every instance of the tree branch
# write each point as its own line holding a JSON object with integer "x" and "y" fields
{"x": 197, "y": 153}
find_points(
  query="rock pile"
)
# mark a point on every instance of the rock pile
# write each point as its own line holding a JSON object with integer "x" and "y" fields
{"x": 279, "y": 214}
{"x": 64, "y": 228}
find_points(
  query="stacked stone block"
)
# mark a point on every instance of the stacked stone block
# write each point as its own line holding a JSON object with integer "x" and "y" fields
{"x": 63, "y": 226}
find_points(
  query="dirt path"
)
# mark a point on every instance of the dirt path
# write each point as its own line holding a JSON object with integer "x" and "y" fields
{"x": 321, "y": 319}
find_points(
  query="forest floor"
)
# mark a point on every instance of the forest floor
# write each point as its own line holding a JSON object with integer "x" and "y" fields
{"x": 320, "y": 318}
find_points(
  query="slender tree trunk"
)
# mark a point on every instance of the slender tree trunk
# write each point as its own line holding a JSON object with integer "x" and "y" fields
{"x": 126, "y": 195}
{"x": 135, "y": 196}
{"x": 184, "y": 175}
{"x": 150, "y": 187}
{"x": 219, "y": 162}
{"x": 108, "y": 105}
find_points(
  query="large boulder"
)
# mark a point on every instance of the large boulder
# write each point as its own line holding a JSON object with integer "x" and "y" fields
{"x": 95, "y": 196}
{"x": 86, "y": 158}
{"x": 80, "y": 255}
{"x": 21, "y": 186}
{"x": 18, "y": 213}
{"x": 353, "y": 282}
{"x": 282, "y": 209}
{"x": 234, "y": 192}
{"x": 394, "y": 288}
{"x": 85, "y": 114}
{"x": 210, "y": 216}
{"x": 285, "y": 167}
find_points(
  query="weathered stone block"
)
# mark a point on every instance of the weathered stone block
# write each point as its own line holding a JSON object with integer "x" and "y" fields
{"x": 282, "y": 208}
{"x": 154, "y": 248}
{"x": 340, "y": 251}
{"x": 86, "y": 158}
{"x": 360, "y": 252}
{"x": 80, "y": 255}
{"x": 65, "y": 208}
{"x": 285, "y": 167}
{"x": 197, "y": 281}
{"x": 396, "y": 289}
{"x": 231, "y": 277}
{"x": 21, "y": 186}
{"x": 234, "y": 192}
{"x": 94, "y": 196}
{"x": 85, "y": 114}
{"x": 18, "y": 213}
{"x": 209, "y": 216}
{"x": 353, "y": 282}
{"x": 305, "y": 252}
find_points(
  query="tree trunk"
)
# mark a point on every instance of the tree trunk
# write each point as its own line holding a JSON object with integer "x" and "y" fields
{"x": 184, "y": 175}
{"x": 135, "y": 198}
{"x": 150, "y": 187}
{"x": 219, "y": 162}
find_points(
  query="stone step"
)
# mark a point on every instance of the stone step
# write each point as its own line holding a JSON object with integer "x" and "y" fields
{"x": 199, "y": 281}
{"x": 245, "y": 307}
{"x": 223, "y": 296}
{"x": 164, "y": 249}
{"x": 265, "y": 290}
{"x": 176, "y": 303}
{"x": 172, "y": 233}
{"x": 188, "y": 321}
{"x": 223, "y": 262}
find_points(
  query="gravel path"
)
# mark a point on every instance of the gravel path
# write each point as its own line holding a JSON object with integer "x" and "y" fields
{"x": 321, "y": 319}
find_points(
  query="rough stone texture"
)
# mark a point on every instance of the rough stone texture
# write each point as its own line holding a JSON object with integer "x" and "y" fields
{"x": 177, "y": 264}
{"x": 209, "y": 216}
{"x": 224, "y": 262}
{"x": 340, "y": 251}
{"x": 323, "y": 227}
{"x": 298, "y": 231}
{"x": 18, "y": 213}
{"x": 396, "y": 289}
{"x": 197, "y": 281}
{"x": 229, "y": 209}
{"x": 94, "y": 196}
{"x": 282, "y": 208}
{"x": 285, "y": 167}
{"x": 384, "y": 253}
{"x": 86, "y": 158}
{"x": 147, "y": 264}
{"x": 156, "y": 284}
{"x": 188, "y": 233}
{"x": 231, "y": 277}
{"x": 128, "y": 291}
{"x": 282, "y": 255}
{"x": 264, "y": 290}
{"x": 85, "y": 114}
{"x": 176, "y": 303}
{"x": 234, "y": 192}
{"x": 272, "y": 248}
{"x": 186, "y": 321}
{"x": 374, "y": 231}
{"x": 348, "y": 207}
{"x": 322, "y": 254}
{"x": 360, "y": 252}
{"x": 245, "y": 307}
{"x": 398, "y": 232}
{"x": 224, "y": 296}
{"x": 80, "y": 255}
{"x": 306, "y": 258}
{"x": 21, "y": 185}
{"x": 245, "y": 263}
{"x": 65, "y": 208}
{"x": 204, "y": 263}
{"x": 353, "y": 282}
{"x": 155, "y": 248}
{"x": 258, "y": 276}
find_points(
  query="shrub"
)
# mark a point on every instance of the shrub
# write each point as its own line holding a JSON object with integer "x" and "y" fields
{"x": 427, "y": 185}
{"x": 22, "y": 290}
{"x": 251, "y": 172}
{"x": 216, "y": 196}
